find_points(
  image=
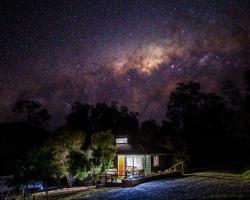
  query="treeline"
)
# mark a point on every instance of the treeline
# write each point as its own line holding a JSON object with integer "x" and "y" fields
{"x": 206, "y": 129}
{"x": 82, "y": 148}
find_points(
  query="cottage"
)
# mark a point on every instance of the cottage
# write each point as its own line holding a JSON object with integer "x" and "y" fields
{"x": 137, "y": 158}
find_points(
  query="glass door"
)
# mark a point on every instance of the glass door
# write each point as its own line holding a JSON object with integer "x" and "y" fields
{"x": 134, "y": 165}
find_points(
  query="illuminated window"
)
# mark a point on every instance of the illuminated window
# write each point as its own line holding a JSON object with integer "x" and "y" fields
{"x": 134, "y": 162}
{"x": 138, "y": 163}
{"x": 130, "y": 161}
{"x": 122, "y": 140}
{"x": 156, "y": 161}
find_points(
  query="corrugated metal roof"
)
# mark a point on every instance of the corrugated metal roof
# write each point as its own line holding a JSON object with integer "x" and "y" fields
{"x": 141, "y": 148}
{"x": 129, "y": 149}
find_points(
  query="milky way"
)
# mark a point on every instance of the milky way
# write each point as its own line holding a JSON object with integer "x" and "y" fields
{"x": 132, "y": 52}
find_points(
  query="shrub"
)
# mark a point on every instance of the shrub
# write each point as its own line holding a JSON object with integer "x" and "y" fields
{"x": 246, "y": 175}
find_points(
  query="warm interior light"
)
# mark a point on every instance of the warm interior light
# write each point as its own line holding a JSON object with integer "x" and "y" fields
{"x": 123, "y": 140}
{"x": 121, "y": 165}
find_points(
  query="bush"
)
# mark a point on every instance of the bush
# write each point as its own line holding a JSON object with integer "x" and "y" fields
{"x": 246, "y": 175}
{"x": 103, "y": 146}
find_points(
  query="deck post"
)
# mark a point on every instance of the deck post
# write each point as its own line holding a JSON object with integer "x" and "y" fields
{"x": 133, "y": 172}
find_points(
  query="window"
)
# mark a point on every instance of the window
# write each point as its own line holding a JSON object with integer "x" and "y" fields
{"x": 123, "y": 140}
{"x": 134, "y": 162}
{"x": 130, "y": 161}
{"x": 138, "y": 163}
{"x": 156, "y": 161}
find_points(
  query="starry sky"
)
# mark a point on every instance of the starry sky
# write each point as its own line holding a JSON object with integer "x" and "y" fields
{"x": 130, "y": 51}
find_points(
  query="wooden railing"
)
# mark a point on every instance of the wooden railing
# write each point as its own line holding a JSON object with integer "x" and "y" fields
{"x": 113, "y": 175}
{"x": 179, "y": 167}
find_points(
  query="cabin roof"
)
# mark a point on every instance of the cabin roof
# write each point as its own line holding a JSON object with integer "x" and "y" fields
{"x": 141, "y": 148}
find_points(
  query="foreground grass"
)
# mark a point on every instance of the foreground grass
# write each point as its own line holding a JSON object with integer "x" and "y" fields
{"x": 246, "y": 175}
{"x": 67, "y": 193}
{"x": 84, "y": 194}
{"x": 205, "y": 185}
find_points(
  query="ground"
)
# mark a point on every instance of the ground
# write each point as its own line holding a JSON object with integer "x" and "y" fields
{"x": 70, "y": 193}
{"x": 195, "y": 186}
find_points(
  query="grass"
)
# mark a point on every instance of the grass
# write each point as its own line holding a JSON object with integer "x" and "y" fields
{"x": 206, "y": 185}
{"x": 85, "y": 194}
{"x": 224, "y": 185}
{"x": 246, "y": 175}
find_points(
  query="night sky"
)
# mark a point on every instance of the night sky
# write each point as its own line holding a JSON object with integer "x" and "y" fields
{"x": 132, "y": 52}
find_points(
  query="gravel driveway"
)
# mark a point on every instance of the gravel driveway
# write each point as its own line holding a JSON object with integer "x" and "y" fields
{"x": 195, "y": 186}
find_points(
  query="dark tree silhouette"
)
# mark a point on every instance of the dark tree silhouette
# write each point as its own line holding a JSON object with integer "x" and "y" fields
{"x": 102, "y": 117}
{"x": 184, "y": 105}
{"x": 16, "y": 139}
{"x": 80, "y": 117}
{"x": 216, "y": 128}
{"x": 244, "y": 112}
{"x": 199, "y": 118}
{"x": 150, "y": 131}
{"x": 36, "y": 166}
{"x": 247, "y": 80}
{"x": 231, "y": 93}
{"x": 32, "y": 113}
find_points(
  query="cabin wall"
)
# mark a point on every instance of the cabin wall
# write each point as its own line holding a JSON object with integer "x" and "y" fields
{"x": 164, "y": 163}
{"x": 148, "y": 168}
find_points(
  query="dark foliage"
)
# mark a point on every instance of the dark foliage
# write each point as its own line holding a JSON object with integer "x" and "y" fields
{"x": 214, "y": 127}
{"x": 211, "y": 128}
{"x": 16, "y": 139}
{"x": 102, "y": 117}
{"x": 32, "y": 113}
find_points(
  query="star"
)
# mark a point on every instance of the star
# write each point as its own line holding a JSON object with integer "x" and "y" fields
{"x": 132, "y": 52}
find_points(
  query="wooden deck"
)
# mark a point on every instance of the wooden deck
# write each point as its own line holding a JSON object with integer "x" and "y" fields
{"x": 174, "y": 171}
{"x": 113, "y": 178}
{"x": 131, "y": 182}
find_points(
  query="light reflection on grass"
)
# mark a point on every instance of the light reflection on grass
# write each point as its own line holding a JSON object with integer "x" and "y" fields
{"x": 87, "y": 193}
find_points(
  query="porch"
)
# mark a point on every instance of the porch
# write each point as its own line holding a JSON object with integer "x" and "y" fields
{"x": 112, "y": 177}
{"x": 129, "y": 166}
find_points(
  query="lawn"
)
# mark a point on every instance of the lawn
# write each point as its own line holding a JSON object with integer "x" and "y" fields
{"x": 195, "y": 186}
{"x": 82, "y": 194}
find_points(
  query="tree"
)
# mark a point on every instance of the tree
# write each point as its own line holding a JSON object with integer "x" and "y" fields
{"x": 16, "y": 140}
{"x": 200, "y": 119}
{"x": 184, "y": 105}
{"x": 32, "y": 113}
{"x": 247, "y": 80}
{"x": 102, "y": 117}
{"x": 80, "y": 117}
{"x": 63, "y": 155}
{"x": 150, "y": 131}
{"x": 231, "y": 94}
{"x": 60, "y": 146}
{"x": 36, "y": 166}
{"x": 244, "y": 111}
{"x": 128, "y": 122}
{"x": 103, "y": 145}
{"x": 94, "y": 160}
{"x": 81, "y": 164}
